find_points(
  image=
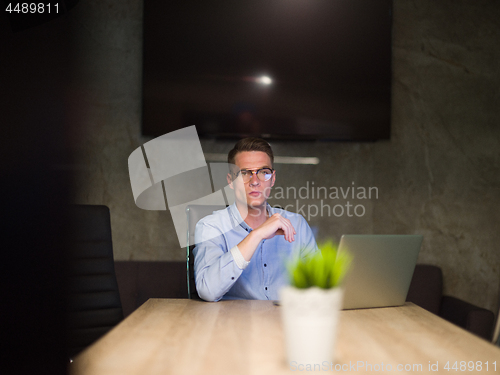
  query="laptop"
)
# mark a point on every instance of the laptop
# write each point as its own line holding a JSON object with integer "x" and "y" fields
{"x": 381, "y": 270}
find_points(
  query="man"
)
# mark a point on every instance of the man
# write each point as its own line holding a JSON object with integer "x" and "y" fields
{"x": 242, "y": 250}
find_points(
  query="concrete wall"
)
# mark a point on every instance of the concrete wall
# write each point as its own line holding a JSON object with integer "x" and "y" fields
{"x": 437, "y": 176}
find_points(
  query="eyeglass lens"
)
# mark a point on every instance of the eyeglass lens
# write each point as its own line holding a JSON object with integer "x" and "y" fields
{"x": 262, "y": 174}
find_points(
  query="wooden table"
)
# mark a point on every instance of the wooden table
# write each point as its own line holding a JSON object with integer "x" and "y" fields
{"x": 181, "y": 336}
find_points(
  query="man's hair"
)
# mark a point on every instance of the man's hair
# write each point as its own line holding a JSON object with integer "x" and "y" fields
{"x": 250, "y": 144}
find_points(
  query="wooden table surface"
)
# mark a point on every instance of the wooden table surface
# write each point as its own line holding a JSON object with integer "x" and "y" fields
{"x": 181, "y": 336}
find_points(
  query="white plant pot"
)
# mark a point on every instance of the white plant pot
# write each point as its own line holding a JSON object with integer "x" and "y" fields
{"x": 310, "y": 317}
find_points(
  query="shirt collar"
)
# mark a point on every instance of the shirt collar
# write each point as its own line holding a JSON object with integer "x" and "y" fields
{"x": 239, "y": 220}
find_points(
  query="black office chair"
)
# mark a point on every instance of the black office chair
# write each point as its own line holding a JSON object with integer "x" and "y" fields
{"x": 426, "y": 290}
{"x": 194, "y": 214}
{"x": 94, "y": 305}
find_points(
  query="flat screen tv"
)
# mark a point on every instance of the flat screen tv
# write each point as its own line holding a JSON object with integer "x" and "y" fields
{"x": 278, "y": 69}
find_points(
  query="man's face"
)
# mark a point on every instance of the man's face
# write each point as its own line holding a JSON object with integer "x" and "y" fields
{"x": 255, "y": 192}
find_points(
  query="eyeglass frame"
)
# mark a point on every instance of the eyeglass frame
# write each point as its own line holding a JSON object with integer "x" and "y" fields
{"x": 254, "y": 171}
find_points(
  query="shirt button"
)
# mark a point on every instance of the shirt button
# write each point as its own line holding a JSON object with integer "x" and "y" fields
{"x": 266, "y": 287}
{"x": 232, "y": 278}
{"x": 265, "y": 265}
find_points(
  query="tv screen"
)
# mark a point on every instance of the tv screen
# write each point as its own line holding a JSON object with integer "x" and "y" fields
{"x": 278, "y": 69}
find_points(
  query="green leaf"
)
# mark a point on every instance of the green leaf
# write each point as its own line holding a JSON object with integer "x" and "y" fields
{"x": 324, "y": 269}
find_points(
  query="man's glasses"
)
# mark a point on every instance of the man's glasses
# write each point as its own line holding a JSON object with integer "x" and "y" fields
{"x": 263, "y": 174}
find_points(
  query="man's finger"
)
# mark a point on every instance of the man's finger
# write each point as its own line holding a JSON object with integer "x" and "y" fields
{"x": 288, "y": 229}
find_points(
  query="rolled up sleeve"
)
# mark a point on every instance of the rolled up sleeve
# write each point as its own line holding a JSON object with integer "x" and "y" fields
{"x": 215, "y": 269}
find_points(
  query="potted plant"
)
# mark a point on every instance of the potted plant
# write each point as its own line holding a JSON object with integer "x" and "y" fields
{"x": 311, "y": 305}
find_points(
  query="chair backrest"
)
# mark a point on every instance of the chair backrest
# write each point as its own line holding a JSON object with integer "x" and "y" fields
{"x": 194, "y": 214}
{"x": 94, "y": 305}
{"x": 426, "y": 288}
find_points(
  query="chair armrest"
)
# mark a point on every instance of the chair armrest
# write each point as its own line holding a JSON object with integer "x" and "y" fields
{"x": 474, "y": 319}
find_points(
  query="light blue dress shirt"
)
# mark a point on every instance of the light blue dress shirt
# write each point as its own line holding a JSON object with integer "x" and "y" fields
{"x": 218, "y": 275}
